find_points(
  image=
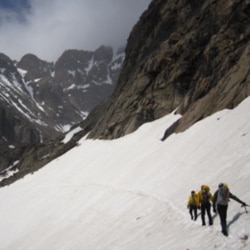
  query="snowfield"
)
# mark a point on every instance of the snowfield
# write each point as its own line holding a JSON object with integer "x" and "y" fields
{"x": 131, "y": 193}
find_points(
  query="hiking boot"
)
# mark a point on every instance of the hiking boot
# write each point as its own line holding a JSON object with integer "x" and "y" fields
{"x": 225, "y": 232}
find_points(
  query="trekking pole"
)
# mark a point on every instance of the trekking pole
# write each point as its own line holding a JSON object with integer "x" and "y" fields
{"x": 245, "y": 206}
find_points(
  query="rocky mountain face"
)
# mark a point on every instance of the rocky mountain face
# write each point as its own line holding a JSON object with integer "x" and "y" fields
{"x": 189, "y": 57}
{"x": 39, "y": 100}
{"x": 193, "y": 56}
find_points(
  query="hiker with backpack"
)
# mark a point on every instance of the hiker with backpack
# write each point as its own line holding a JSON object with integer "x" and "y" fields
{"x": 205, "y": 197}
{"x": 220, "y": 204}
{"x": 193, "y": 204}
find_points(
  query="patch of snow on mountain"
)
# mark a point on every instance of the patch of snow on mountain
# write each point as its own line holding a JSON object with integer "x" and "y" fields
{"x": 9, "y": 171}
{"x": 108, "y": 80}
{"x": 72, "y": 86}
{"x": 116, "y": 66}
{"x": 37, "y": 80}
{"x": 85, "y": 86}
{"x": 90, "y": 66}
{"x": 72, "y": 73}
{"x": 70, "y": 134}
{"x": 5, "y": 81}
{"x": 22, "y": 72}
{"x": 84, "y": 114}
{"x": 16, "y": 83}
{"x": 25, "y": 111}
{"x": 63, "y": 128}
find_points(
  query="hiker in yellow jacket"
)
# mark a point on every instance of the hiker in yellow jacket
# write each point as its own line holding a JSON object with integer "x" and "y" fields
{"x": 192, "y": 205}
{"x": 204, "y": 197}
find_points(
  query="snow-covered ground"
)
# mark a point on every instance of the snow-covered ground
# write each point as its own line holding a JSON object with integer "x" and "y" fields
{"x": 131, "y": 193}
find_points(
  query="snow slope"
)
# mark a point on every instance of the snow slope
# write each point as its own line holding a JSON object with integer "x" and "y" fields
{"x": 131, "y": 193}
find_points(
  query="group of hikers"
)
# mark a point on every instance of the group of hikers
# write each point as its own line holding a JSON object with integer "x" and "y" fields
{"x": 204, "y": 200}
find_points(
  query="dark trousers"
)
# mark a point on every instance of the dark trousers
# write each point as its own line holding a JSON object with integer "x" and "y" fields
{"x": 206, "y": 208}
{"x": 193, "y": 212}
{"x": 222, "y": 211}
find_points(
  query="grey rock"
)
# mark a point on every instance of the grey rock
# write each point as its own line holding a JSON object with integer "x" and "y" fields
{"x": 192, "y": 56}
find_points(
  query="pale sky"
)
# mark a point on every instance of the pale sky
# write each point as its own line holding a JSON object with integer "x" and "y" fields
{"x": 47, "y": 28}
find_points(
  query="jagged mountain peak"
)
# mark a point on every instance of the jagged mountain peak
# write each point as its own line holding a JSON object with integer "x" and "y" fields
{"x": 30, "y": 57}
{"x": 4, "y": 59}
{"x": 35, "y": 67}
{"x": 55, "y": 96}
{"x": 103, "y": 53}
{"x": 73, "y": 57}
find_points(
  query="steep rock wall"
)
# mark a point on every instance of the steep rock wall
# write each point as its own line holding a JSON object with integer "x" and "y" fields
{"x": 192, "y": 56}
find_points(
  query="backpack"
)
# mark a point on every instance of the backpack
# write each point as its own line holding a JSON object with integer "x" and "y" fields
{"x": 223, "y": 196}
{"x": 205, "y": 196}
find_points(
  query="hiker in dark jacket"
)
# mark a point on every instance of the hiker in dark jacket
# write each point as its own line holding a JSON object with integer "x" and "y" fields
{"x": 220, "y": 204}
{"x": 205, "y": 197}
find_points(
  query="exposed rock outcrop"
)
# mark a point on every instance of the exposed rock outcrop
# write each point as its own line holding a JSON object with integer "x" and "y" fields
{"x": 192, "y": 56}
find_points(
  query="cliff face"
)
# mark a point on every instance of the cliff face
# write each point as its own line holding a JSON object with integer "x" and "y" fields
{"x": 193, "y": 56}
